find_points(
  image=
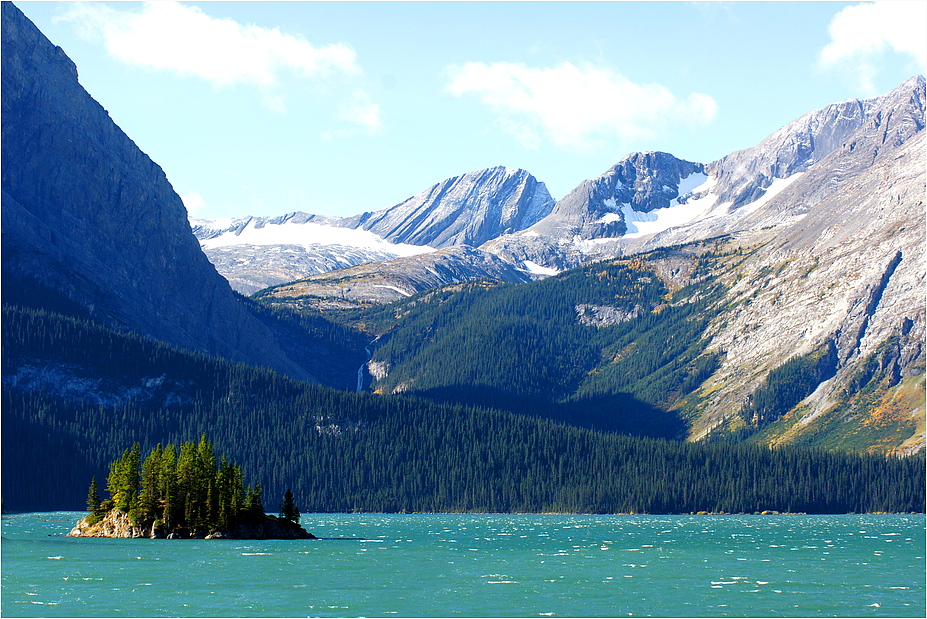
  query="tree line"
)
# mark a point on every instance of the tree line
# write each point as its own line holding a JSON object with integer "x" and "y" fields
{"x": 341, "y": 451}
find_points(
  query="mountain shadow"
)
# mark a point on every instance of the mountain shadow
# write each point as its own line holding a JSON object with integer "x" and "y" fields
{"x": 621, "y": 413}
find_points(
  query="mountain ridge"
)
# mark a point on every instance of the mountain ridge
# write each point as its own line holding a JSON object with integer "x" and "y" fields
{"x": 646, "y": 200}
{"x": 90, "y": 216}
{"x": 465, "y": 210}
{"x": 783, "y": 303}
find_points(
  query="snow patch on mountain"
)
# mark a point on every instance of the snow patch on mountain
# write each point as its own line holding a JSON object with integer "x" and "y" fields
{"x": 305, "y": 235}
{"x": 687, "y": 207}
{"x": 777, "y": 186}
{"x": 642, "y": 224}
{"x": 536, "y": 269}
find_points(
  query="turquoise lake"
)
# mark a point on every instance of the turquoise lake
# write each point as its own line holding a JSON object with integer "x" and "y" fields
{"x": 480, "y": 566}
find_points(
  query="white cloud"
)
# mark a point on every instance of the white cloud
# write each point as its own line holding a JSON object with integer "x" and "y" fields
{"x": 362, "y": 111}
{"x": 576, "y": 107}
{"x": 862, "y": 33}
{"x": 358, "y": 110}
{"x": 174, "y": 37}
{"x": 522, "y": 131}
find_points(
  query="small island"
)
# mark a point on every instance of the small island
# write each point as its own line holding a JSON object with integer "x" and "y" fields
{"x": 185, "y": 493}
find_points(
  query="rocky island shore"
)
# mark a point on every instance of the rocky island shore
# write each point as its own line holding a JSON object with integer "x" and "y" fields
{"x": 119, "y": 524}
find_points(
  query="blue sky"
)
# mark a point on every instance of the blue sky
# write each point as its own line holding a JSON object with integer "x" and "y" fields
{"x": 263, "y": 108}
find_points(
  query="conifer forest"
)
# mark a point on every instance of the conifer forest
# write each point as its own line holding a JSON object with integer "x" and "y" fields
{"x": 345, "y": 451}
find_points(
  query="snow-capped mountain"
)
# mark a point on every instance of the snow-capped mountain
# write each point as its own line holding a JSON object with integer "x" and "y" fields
{"x": 646, "y": 200}
{"x": 257, "y": 252}
{"x": 770, "y": 184}
{"x": 607, "y": 206}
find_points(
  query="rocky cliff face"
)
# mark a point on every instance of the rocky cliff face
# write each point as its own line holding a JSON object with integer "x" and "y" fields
{"x": 464, "y": 210}
{"x": 87, "y": 214}
{"x": 744, "y": 176}
{"x": 259, "y": 252}
{"x": 781, "y": 178}
{"x": 849, "y": 273}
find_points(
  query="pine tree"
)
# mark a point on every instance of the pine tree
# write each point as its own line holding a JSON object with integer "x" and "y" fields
{"x": 253, "y": 504}
{"x": 289, "y": 510}
{"x": 151, "y": 480}
{"x": 93, "y": 497}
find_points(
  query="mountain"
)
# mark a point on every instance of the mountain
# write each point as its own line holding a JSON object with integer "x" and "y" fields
{"x": 90, "y": 220}
{"x": 886, "y": 121}
{"x": 802, "y": 259}
{"x": 802, "y": 280}
{"x": 258, "y": 252}
{"x": 623, "y": 202}
{"x": 744, "y": 190}
{"x": 464, "y": 210}
{"x": 384, "y": 282}
{"x": 646, "y": 200}
{"x": 609, "y": 205}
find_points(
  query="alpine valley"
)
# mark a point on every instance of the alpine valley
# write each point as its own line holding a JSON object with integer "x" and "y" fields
{"x": 740, "y": 335}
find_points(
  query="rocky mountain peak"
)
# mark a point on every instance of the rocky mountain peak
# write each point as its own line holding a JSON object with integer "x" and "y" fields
{"x": 641, "y": 182}
{"x": 469, "y": 209}
{"x": 745, "y": 175}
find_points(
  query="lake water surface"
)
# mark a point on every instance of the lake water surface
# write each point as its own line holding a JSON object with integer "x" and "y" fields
{"x": 480, "y": 566}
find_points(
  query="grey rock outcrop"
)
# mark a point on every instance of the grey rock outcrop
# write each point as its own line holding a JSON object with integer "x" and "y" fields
{"x": 116, "y": 523}
{"x": 745, "y": 175}
{"x": 850, "y": 270}
{"x": 88, "y": 214}
{"x": 388, "y": 281}
{"x": 464, "y": 210}
{"x": 782, "y": 178}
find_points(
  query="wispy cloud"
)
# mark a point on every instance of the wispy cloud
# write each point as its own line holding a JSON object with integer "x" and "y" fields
{"x": 577, "y": 107}
{"x": 362, "y": 113}
{"x": 862, "y": 33}
{"x": 170, "y": 36}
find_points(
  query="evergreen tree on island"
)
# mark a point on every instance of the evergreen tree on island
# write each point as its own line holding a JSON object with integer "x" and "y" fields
{"x": 183, "y": 493}
{"x": 289, "y": 510}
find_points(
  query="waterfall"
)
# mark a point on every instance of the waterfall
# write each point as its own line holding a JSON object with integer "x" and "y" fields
{"x": 360, "y": 370}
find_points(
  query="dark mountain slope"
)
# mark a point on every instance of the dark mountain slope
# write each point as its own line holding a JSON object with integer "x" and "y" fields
{"x": 88, "y": 216}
